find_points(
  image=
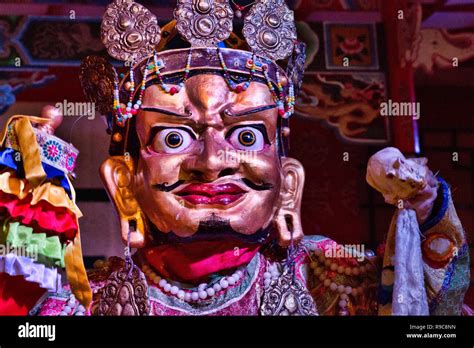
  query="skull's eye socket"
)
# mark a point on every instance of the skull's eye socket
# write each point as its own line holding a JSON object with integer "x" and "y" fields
{"x": 247, "y": 137}
{"x": 174, "y": 140}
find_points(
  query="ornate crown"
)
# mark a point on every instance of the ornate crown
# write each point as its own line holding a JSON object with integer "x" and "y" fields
{"x": 131, "y": 34}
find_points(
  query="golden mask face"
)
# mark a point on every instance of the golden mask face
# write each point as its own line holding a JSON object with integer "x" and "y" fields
{"x": 208, "y": 153}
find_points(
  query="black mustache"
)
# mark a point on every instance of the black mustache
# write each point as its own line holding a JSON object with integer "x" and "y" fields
{"x": 164, "y": 187}
{"x": 212, "y": 228}
{"x": 265, "y": 186}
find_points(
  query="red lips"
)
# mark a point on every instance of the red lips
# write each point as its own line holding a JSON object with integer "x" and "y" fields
{"x": 211, "y": 194}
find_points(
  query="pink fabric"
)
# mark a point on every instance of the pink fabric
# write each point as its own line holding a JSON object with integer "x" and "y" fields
{"x": 248, "y": 305}
{"x": 43, "y": 217}
{"x": 195, "y": 261}
{"x": 17, "y": 295}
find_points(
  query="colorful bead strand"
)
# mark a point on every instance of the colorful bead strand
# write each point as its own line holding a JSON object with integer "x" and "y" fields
{"x": 123, "y": 113}
{"x": 237, "y": 88}
{"x": 156, "y": 66}
{"x": 285, "y": 104}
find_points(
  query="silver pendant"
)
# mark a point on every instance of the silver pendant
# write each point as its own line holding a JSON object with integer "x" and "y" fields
{"x": 126, "y": 291}
{"x": 286, "y": 296}
{"x": 125, "y": 294}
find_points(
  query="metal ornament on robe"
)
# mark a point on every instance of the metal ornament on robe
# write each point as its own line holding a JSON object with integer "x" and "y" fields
{"x": 269, "y": 29}
{"x": 126, "y": 291}
{"x": 204, "y": 23}
{"x": 129, "y": 31}
{"x": 286, "y": 295}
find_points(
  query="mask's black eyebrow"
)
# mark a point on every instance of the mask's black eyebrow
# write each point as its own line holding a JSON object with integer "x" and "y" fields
{"x": 165, "y": 111}
{"x": 228, "y": 112}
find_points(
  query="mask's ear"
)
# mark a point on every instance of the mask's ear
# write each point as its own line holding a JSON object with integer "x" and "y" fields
{"x": 288, "y": 219}
{"x": 117, "y": 175}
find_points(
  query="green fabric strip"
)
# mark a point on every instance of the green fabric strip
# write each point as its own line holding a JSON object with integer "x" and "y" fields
{"x": 49, "y": 250}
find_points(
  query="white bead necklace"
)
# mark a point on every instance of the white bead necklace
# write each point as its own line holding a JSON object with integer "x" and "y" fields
{"x": 320, "y": 269}
{"x": 73, "y": 308}
{"x": 204, "y": 291}
{"x": 272, "y": 273}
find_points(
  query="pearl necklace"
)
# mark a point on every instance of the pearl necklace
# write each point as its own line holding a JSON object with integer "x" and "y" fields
{"x": 204, "y": 290}
{"x": 321, "y": 268}
{"x": 72, "y": 308}
{"x": 271, "y": 274}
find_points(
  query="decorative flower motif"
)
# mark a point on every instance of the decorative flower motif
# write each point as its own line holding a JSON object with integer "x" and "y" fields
{"x": 52, "y": 150}
{"x": 70, "y": 161}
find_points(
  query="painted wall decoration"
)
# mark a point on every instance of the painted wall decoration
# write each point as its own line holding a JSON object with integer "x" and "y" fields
{"x": 351, "y": 46}
{"x": 12, "y": 83}
{"x": 348, "y": 102}
{"x": 59, "y": 40}
{"x": 10, "y": 48}
{"x": 431, "y": 48}
{"x": 440, "y": 49}
{"x": 47, "y": 41}
{"x": 304, "y": 8}
{"x": 408, "y": 33}
{"x": 32, "y": 47}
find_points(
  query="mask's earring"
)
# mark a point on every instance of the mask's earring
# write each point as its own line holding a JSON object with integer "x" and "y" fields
{"x": 286, "y": 295}
{"x": 126, "y": 290}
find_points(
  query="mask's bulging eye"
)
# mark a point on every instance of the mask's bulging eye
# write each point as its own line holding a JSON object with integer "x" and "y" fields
{"x": 247, "y": 138}
{"x": 171, "y": 140}
{"x": 174, "y": 140}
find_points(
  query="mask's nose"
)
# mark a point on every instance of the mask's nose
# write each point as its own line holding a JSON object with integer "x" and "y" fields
{"x": 215, "y": 160}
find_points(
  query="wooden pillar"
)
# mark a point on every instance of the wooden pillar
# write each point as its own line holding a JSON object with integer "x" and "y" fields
{"x": 401, "y": 87}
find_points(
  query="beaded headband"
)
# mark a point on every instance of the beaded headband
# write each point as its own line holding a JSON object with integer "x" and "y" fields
{"x": 131, "y": 34}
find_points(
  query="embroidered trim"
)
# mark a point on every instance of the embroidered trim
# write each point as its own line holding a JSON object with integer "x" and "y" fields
{"x": 54, "y": 151}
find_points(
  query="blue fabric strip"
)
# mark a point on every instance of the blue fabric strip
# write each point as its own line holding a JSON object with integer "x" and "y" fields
{"x": 7, "y": 159}
{"x": 432, "y": 221}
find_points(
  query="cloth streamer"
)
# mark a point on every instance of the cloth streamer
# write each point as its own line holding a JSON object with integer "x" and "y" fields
{"x": 47, "y": 278}
{"x": 409, "y": 293}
